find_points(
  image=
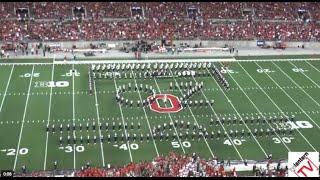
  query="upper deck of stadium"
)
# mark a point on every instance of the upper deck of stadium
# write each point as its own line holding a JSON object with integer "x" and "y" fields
{"x": 293, "y": 21}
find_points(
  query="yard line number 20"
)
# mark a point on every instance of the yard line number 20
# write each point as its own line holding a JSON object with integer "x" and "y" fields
{"x": 12, "y": 152}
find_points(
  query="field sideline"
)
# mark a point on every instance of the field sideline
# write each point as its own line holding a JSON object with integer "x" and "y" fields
{"x": 258, "y": 88}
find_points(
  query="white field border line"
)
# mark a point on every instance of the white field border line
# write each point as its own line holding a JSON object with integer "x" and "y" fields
{"x": 73, "y": 119}
{"x": 20, "y": 64}
{"x": 145, "y": 113}
{"x": 5, "y": 92}
{"x": 272, "y": 60}
{"x": 125, "y": 131}
{"x": 175, "y": 129}
{"x": 195, "y": 118}
{"x": 257, "y": 110}
{"x": 275, "y": 103}
{"x": 144, "y": 61}
{"x": 238, "y": 114}
{"x": 24, "y": 115}
{"x": 49, "y": 114}
{"x": 303, "y": 91}
{"x": 156, "y": 61}
{"x": 177, "y": 60}
{"x": 98, "y": 117}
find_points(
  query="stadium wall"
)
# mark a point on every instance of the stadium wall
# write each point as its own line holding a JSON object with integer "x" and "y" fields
{"x": 236, "y": 44}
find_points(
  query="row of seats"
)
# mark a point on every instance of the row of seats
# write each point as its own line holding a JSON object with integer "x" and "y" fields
{"x": 226, "y": 10}
{"x": 156, "y": 29}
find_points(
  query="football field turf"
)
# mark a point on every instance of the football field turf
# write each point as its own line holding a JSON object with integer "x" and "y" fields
{"x": 257, "y": 88}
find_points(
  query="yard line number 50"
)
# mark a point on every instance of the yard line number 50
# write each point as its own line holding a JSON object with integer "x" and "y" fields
{"x": 176, "y": 144}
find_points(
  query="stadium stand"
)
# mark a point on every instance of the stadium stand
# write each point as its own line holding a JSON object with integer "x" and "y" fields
{"x": 162, "y": 20}
{"x": 268, "y": 21}
{"x": 172, "y": 165}
{"x": 223, "y": 10}
{"x": 168, "y": 10}
{"x": 128, "y": 30}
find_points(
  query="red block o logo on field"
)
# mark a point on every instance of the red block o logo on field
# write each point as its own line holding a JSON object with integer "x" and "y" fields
{"x": 174, "y": 100}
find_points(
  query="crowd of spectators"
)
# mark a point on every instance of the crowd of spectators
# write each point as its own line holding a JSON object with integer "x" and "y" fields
{"x": 226, "y": 10}
{"x": 48, "y": 10}
{"x": 287, "y": 31}
{"x": 163, "y": 19}
{"x": 274, "y": 10}
{"x": 314, "y": 9}
{"x": 162, "y": 166}
{"x": 7, "y": 9}
{"x": 172, "y": 165}
{"x": 155, "y": 29}
{"x": 166, "y": 10}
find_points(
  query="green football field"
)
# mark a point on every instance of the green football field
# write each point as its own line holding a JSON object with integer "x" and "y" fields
{"x": 258, "y": 88}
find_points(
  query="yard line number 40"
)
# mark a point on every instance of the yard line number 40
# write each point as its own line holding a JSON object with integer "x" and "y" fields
{"x": 132, "y": 146}
{"x": 174, "y": 144}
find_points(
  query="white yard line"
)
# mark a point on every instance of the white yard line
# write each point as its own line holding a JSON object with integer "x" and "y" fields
{"x": 24, "y": 115}
{"x": 306, "y": 77}
{"x": 73, "y": 119}
{"x": 175, "y": 129}
{"x": 272, "y": 60}
{"x": 272, "y": 99}
{"x": 294, "y": 100}
{"x": 144, "y": 61}
{"x": 258, "y": 111}
{"x": 98, "y": 117}
{"x": 145, "y": 113}
{"x": 316, "y": 70}
{"x": 177, "y": 60}
{"x": 220, "y": 124}
{"x": 195, "y": 118}
{"x": 23, "y": 64}
{"x": 49, "y": 113}
{"x": 312, "y": 65}
{"x": 5, "y": 92}
{"x": 125, "y": 131}
{"x": 237, "y": 113}
{"x": 301, "y": 87}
